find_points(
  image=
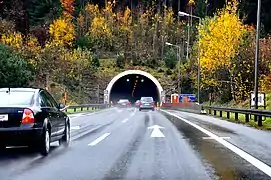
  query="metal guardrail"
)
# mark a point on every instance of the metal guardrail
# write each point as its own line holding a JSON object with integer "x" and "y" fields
{"x": 247, "y": 112}
{"x": 87, "y": 107}
{"x": 188, "y": 107}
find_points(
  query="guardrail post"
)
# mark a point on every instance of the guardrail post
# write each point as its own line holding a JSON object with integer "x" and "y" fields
{"x": 82, "y": 108}
{"x": 247, "y": 117}
{"x": 87, "y": 108}
{"x": 255, "y": 118}
{"x": 74, "y": 110}
{"x": 228, "y": 115}
{"x": 220, "y": 113}
{"x": 236, "y": 116}
{"x": 210, "y": 111}
{"x": 259, "y": 118}
{"x": 215, "y": 112}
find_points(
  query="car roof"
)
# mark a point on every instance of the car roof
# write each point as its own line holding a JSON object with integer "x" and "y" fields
{"x": 21, "y": 89}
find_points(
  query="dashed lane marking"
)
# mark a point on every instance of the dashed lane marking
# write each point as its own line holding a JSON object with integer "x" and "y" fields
{"x": 99, "y": 139}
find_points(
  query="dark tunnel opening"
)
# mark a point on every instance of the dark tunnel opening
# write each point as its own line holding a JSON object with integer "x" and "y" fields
{"x": 133, "y": 87}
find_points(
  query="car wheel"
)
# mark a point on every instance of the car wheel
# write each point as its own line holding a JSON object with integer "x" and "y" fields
{"x": 152, "y": 109}
{"x": 45, "y": 142}
{"x": 139, "y": 109}
{"x": 67, "y": 136}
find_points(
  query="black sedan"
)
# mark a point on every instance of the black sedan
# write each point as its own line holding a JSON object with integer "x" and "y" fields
{"x": 31, "y": 117}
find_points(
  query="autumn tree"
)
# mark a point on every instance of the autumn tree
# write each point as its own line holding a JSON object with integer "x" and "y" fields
{"x": 220, "y": 38}
{"x": 100, "y": 31}
{"x": 62, "y": 30}
{"x": 67, "y": 7}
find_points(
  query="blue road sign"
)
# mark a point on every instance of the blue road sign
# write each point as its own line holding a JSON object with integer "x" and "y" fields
{"x": 191, "y": 97}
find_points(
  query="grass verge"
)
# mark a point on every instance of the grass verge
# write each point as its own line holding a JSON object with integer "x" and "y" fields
{"x": 79, "y": 110}
{"x": 242, "y": 120}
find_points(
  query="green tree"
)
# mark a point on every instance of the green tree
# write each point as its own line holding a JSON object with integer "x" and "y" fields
{"x": 95, "y": 61}
{"x": 41, "y": 11}
{"x": 120, "y": 61}
{"x": 171, "y": 59}
{"x": 15, "y": 71}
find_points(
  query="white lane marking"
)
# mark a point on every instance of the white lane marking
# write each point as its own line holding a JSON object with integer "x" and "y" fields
{"x": 156, "y": 131}
{"x": 125, "y": 120}
{"x": 255, "y": 162}
{"x": 213, "y": 138}
{"x": 99, "y": 139}
{"x": 75, "y": 127}
{"x": 119, "y": 110}
{"x": 74, "y": 116}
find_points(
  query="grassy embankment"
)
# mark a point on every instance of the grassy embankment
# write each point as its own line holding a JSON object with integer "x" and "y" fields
{"x": 241, "y": 117}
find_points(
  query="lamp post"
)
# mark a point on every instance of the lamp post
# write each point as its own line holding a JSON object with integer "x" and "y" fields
{"x": 179, "y": 63}
{"x": 256, "y": 79}
{"x": 190, "y": 15}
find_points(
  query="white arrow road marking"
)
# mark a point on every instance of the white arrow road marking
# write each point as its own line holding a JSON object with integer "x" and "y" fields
{"x": 125, "y": 120}
{"x": 156, "y": 131}
{"x": 75, "y": 127}
{"x": 254, "y": 161}
{"x": 99, "y": 139}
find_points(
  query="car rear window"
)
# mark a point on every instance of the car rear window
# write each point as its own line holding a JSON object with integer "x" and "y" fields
{"x": 123, "y": 100}
{"x": 147, "y": 99}
{"x": 22, "y": 98}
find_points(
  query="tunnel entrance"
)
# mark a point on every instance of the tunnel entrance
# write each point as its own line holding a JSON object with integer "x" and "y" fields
{"x": 132, "y": 85}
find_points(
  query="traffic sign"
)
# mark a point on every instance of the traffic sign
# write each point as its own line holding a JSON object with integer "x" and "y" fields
{"x": 261, "y": 99}
{"x": 190, "y": 97}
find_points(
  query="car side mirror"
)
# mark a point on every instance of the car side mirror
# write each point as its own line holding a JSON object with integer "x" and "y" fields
{"x": 61, "y": 106}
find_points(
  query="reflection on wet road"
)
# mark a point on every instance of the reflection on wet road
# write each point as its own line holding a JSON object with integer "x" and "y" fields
{"x": 128, "y": 144}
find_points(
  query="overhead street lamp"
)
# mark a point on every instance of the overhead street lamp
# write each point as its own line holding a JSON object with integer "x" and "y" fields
{"x": 188, "y": 15}
{"x": 256, "y": 80}
{"x": 179, "y": 62}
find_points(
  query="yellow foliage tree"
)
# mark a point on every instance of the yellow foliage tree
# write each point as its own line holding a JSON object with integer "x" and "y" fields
{"x": 13, "y": 39}
{"x": 126, "y": 19}
{"x": 219, "y": 40}
{"x": 62, "y": 32}
{"x": 100, "y": 32}
{"x": 92, "y": 11}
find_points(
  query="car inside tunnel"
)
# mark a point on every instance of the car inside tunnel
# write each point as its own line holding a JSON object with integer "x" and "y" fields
{"x": 133, "y": 87}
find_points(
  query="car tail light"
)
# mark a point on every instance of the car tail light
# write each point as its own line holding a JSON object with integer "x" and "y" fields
{"x": 28, "y": 117}
{"x": 140, "y": 104}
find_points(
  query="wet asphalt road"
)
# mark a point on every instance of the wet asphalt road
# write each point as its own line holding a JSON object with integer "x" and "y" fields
{"x": 117, "y": 144}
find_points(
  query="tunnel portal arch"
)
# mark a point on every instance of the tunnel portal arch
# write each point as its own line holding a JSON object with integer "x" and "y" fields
{"x": 108, "y": 89}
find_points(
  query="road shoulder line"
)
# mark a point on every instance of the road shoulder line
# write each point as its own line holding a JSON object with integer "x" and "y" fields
{"x": 249, "y": 158}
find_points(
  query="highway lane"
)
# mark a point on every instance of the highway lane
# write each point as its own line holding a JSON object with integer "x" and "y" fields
{"x": 118, "y": 144}
{"x": 15, "y": 159}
